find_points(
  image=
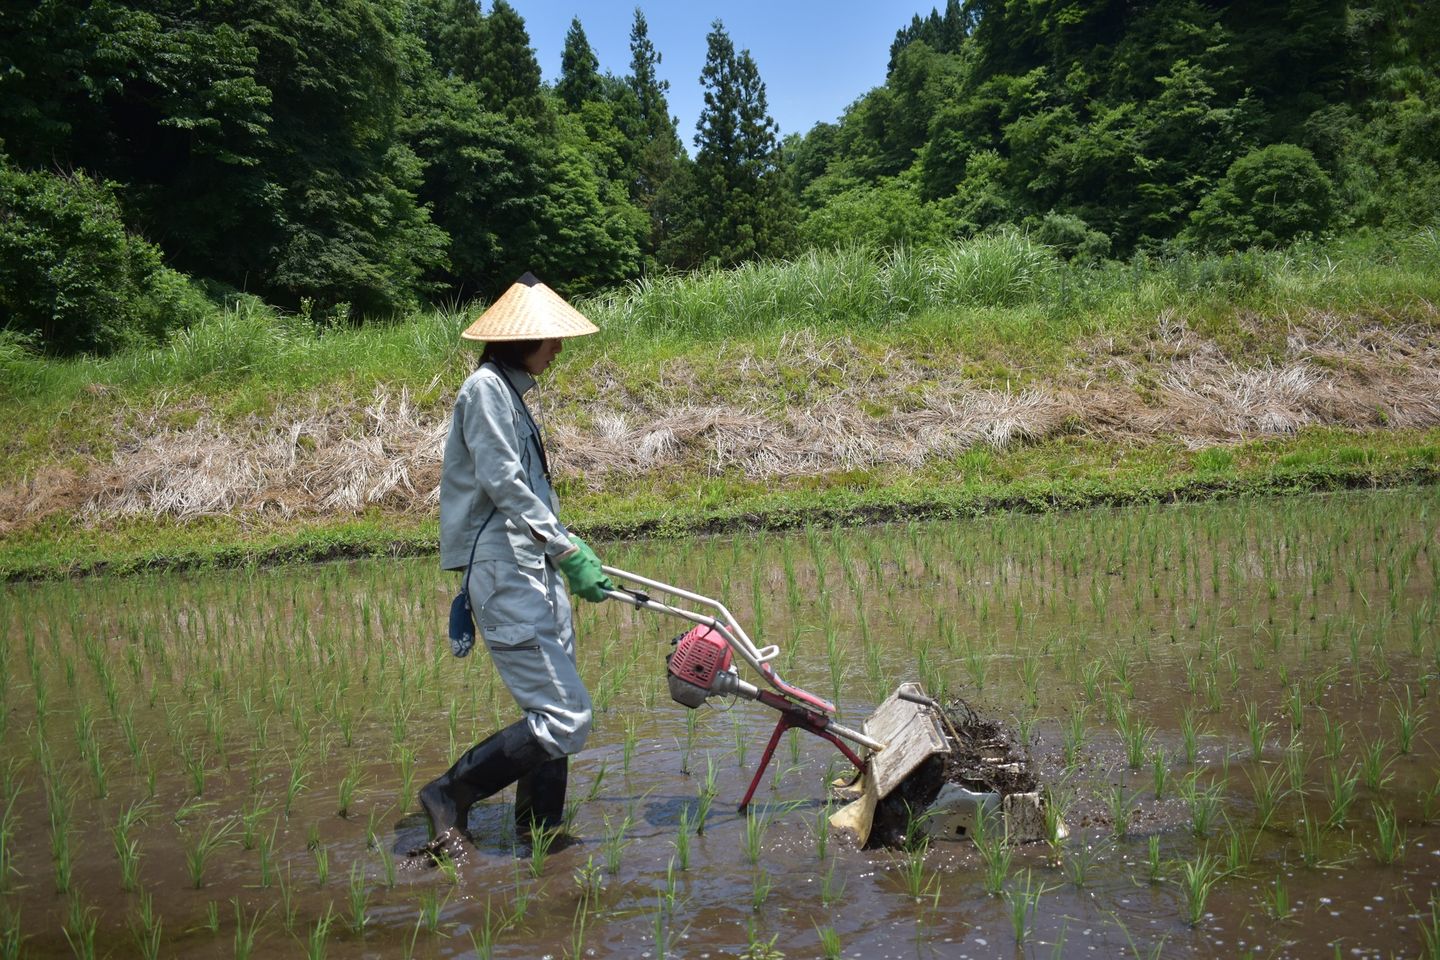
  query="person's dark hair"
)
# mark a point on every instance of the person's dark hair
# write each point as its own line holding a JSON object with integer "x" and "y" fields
{"x": 509, "y": 353}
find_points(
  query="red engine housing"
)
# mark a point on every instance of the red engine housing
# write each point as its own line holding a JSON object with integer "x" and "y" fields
{"x": 698, "y": 656}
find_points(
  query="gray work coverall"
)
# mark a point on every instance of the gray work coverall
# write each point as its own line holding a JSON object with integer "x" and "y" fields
{"x": 522, "y": 610}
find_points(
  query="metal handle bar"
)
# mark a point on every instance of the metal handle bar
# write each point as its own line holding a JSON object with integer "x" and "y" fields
{"x": 758, "y": 657}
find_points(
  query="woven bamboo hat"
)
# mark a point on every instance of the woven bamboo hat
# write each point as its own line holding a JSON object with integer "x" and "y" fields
{"x": 529, "y": 310}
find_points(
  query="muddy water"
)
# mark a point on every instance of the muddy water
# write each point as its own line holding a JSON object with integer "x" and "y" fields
{"x": 240, "y": 703}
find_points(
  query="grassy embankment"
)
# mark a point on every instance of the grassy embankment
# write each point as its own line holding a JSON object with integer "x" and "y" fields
{"x": 892, "y": 340}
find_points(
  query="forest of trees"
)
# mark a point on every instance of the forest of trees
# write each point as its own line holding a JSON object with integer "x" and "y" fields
{"x": 360, "y": 158}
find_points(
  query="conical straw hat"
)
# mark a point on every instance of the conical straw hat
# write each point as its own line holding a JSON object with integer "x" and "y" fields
{"x": 529, "y": 310}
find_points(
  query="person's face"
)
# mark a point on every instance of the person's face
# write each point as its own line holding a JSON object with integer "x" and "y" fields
{"x": 540, "y": 359}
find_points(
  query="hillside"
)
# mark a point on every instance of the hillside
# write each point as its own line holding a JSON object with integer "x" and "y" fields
{"x": 834, "y": 387}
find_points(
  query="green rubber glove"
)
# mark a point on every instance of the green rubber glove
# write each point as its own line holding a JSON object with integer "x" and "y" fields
{"x": 582, "y": 572}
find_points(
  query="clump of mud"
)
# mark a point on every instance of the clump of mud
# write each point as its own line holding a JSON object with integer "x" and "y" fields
{"x": 984, "y": 757}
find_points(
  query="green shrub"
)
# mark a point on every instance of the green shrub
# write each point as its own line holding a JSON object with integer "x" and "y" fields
{"x": 1267, "y": 198}
{"x": 1071, "y": 237}
{"x": 75, "y": 279}
{"x": 886, "y": 213}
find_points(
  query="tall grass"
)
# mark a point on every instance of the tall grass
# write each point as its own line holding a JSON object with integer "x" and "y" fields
{"x": 1001, "y": 287}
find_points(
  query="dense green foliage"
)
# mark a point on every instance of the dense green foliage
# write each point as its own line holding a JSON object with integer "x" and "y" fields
{"x": 359, "y": 158}
{"x": 1127, "y": 126}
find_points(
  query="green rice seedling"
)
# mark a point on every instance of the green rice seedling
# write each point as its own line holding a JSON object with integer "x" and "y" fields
{"x": 212, "y": 918}
{"x": 672, "y": 882}
{"x": 1214, "y": 697}
{"x": 1407, "y": 722}
{"x": 79, "y": 928}
{"x": 1340, "y": 792}
{"x": 197, "y": 853}
{"x": 1030, "y": 676}
{"x": 246, "y": 928}
{"x": 577, "y": 929}
{"x": 1190, "y": 734}
{"x": 681, "y": 842}
{"x": 265, "y": 849}
{"x": 1430, "y": 932}
{"x": 60, "y": 851}
{"x": 1193, "y": 675}
{"x": 12, "y": 937}
{"x": 1137, "y": 736}
{"x": 312, "y": 836}
{"x": 127, "y": 850}
{"x": 1197, "y": 878}
{"x": 430, "y": 908}
{"x": 1119, "y": 804}
{"x": 1081, "y": 858}
{"x": 1269, "y": 790}
{"x": 740, "y": 737}
{"x": 1295, "y": 707}
{"x": 1090, "y": 679}
{"x": 1154, "y": 866}
{"x": 756, "y": 824}
{"x": 1058, "y": 801}
{"x": 520, "y": 904}
{"x": 589, "y": 879}
{"x": 484, "y": 934}
{"x": 541, "y": 842}
{"x": 820, "y": 831}
{"x": 1259, "y": 730}
{"x": 1374, "y": 766}
{"x": 1334, "y": 737}
{"x": 250, "y": 823}
{"x": 146, "y": 927}
{"x": 1204, "y": 804}
{"x": 1429, "y": 800}
{"x": 1237, "y": 854}
{"x": 831, "y": 889}
{"x": 359, "y": 893}
{"x": 615, "y": 843}
{"x": 405, "y": 760}
{"x": 709, "y": 789}
{"x": 1278, "y": 899}
{"x": 1025, "y": 725}
{"x": 761, "y": 886}
{"x": 1023, "y": 901}
{"x": 1159, "y": 772}
{"x": 1297, "y": 759}
{"x": 317, "y": 941}
{"x": 1389, "y": 836}
{"x": 593, "y": 792}
{"x": 7, "y": 834}
{"x": 348, "y": 785}
{"x": 628, "y": 747}
{"x": 297, "y": 780}
{"x": 1311, "y": 832}
{"x": 321, "y": 853}
{"x": 829, "y": 943}
{"x": 1073, "y": 737}
{"x": 288, "y": 906}
{"x": 977, "y": 667}
{"x": 918, "y": 882}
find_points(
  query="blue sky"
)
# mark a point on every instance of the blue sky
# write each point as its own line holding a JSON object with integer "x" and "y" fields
{"x": 815, "y": 57}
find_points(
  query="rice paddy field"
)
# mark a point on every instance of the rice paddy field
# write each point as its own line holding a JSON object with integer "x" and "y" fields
{"x": 1232, "y": 707}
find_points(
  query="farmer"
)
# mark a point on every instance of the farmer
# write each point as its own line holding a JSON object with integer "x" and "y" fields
{"x": 498, "y": 522}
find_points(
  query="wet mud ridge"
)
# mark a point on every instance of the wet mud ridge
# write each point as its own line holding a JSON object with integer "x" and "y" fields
{"x": 984, "y": 759}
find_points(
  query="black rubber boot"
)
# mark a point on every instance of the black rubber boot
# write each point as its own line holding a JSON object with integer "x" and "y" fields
{"x": 540, "y": 798}
{"x": 484, "y": 770}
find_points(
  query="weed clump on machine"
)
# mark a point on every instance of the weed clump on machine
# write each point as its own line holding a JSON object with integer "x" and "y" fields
{"x": 983, "y": 759}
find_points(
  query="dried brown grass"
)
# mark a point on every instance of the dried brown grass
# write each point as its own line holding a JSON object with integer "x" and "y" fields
{"x": 858, "y": 411}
